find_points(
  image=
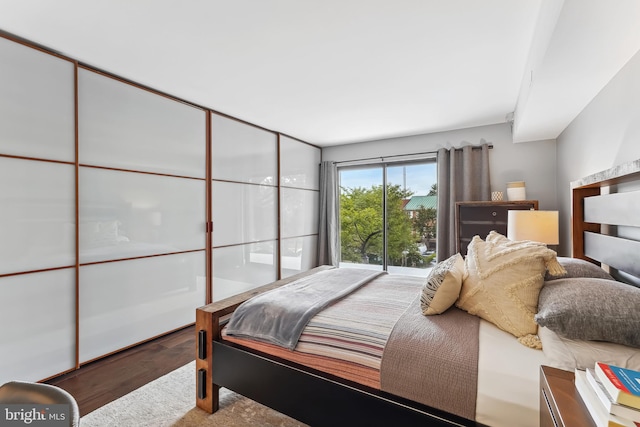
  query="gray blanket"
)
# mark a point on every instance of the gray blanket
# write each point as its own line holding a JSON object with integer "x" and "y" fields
{"x": 279, "y": 316}
{"x": 434, "y": 360}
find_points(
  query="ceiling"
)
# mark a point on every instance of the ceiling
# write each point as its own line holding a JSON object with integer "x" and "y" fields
{"x": 341, "y": 71}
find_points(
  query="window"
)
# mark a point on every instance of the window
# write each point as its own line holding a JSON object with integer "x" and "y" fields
{"x": 388, "y": 216}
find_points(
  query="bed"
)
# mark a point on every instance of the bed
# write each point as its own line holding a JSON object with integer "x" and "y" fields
{"x": 309, "y": 385}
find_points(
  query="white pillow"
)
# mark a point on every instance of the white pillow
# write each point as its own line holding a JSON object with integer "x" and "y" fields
{"x": 568, "y": 354}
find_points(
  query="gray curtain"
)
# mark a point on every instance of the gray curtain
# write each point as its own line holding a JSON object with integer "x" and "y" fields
{"x": 328, "y": 227}
{"x": 463, "y": 175}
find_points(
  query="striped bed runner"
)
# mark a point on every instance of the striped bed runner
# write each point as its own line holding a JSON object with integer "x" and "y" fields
{"x": 356, "y": 329}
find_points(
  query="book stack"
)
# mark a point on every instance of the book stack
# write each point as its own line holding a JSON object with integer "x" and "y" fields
{"x": 611, "y": 395}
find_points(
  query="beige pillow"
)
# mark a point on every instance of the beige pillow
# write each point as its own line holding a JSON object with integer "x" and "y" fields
{"x": 442, "y": 287}
{"x": 503, "y": 281}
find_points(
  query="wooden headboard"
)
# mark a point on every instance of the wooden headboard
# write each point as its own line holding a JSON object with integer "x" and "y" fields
{"x": 606, "y": 220}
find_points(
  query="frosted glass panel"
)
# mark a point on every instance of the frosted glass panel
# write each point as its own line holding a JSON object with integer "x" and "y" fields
{"x": 241, "y": 152}
{"x": 299, "y": 212}
{"x": 126, "y": 127}
{"x": 243, "y": 213}
{"x": 299, "y": 164}
{"x": 37, "y": 215}
{"x": 240, "y": 268}
{"x": 37, "y": 113}
{"x": 125, "y": 302}
{"x": 298, "y": 254}
{"x": 37, "y": 314}
{"x": 128, "y": 214}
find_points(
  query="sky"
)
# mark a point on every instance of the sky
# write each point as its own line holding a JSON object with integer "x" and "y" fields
{"x": 419, "y": 177}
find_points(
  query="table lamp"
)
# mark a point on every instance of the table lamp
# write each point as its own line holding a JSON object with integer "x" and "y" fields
{"x": 538, "y": 226}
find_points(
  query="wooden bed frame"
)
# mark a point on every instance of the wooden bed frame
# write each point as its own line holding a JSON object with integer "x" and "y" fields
{"x": 606, "y": 207}
{"x": 318, "y": 399}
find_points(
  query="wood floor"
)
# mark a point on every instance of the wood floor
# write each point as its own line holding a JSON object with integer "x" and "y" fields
{"x": 100, "y": 382}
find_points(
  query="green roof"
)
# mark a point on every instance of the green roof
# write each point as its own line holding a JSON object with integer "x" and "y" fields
{"x": 417, "y": 202}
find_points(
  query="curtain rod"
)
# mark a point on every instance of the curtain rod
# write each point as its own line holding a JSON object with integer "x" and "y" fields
{"x": 382, "y": 158}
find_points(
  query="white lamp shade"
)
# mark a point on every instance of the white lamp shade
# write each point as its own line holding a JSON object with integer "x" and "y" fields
{"x": 538, "y": 226}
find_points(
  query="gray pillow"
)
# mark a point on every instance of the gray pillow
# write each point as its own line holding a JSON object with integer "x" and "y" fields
{"x": 579, "y": 268}
{"x": 591, "y": 309}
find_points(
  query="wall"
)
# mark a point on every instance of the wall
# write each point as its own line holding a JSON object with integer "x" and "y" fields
{"x": 605, "y": 134}
{"x": 532, "y": 162}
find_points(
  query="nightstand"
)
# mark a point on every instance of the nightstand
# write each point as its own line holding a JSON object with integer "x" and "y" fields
{"x": 479, "y": 218}
{"x": 560, "y": 402}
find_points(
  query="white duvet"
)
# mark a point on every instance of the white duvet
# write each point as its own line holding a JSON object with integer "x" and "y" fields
{"x": 508, "y": 380}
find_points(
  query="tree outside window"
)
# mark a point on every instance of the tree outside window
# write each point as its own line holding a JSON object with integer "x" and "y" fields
{"x": 411, "y": 233}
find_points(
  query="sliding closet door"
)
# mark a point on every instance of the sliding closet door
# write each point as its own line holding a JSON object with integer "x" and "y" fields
{"x": 299, "y": 205}
{"x": 37, "y": 214}
{"x": 142, "y": 213}
{"x": 244, "y": 206}
{"x": 123, "y": 172}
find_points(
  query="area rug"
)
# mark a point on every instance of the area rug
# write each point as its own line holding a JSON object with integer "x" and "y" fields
{"x": 170, "y": 401}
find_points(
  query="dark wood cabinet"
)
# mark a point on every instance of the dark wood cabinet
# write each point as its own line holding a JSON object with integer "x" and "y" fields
{"x": 479, "y": 218}
{"x": 560, "y": 402}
